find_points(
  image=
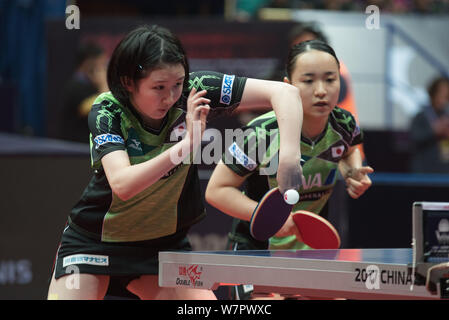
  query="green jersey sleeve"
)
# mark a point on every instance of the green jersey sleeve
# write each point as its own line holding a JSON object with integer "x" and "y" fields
{"x": 105, "y": 131}
{"x": 225, "y": 91}
{"x": 345, "y": 123}
{"x": 254, "y": 146}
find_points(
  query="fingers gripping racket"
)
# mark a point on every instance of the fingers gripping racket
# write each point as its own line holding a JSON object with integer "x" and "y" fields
{"x": 271, "y": 213}
{"x": 316, "y": 232}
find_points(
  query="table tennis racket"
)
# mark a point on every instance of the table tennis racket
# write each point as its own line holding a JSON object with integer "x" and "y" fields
{"x": 316, "y": 232}
{"x": 270, "y": 214}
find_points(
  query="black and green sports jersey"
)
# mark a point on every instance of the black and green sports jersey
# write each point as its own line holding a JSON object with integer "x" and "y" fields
{"x": 171, "y": 204}
{"x": 256, "y": 152}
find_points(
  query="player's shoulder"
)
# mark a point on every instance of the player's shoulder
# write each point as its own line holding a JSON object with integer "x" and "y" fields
{"x": 266, "y": 121}
{"x": 205, "y": 74}
{"x": 343, "y": 119}
{"x": 210, "y": 80}
{"x": 106, "y": 103}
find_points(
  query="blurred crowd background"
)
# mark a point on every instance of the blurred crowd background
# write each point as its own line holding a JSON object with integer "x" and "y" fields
{"x": 39, "y": 54}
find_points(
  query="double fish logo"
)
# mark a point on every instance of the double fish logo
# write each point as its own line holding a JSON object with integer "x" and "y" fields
{"x": 194, "y": 273}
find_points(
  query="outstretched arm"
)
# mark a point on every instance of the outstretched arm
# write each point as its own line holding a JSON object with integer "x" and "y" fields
{"x": 286, "y": 103}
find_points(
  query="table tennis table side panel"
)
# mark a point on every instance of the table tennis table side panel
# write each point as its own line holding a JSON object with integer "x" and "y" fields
{"x": 275, "y": 257}
{"x": 275, "y": 272}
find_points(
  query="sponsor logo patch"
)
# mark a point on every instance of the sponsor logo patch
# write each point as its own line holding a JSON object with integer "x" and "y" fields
{"x": 107, "y": 138}
{"x": 226, "y": 89}
{"x": 190, "y": 276}
{"x": 241, "y": 157}
{"x": 96, "y": 260}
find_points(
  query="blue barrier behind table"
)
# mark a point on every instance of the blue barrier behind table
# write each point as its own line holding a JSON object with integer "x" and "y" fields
{"x": 41, "y": 180}
{"x": 410, "y": 179}
{"x": 14, "y": 145}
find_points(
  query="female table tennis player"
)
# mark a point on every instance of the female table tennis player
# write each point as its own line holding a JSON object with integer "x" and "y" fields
{"x": 328, "y": 139}
{"x": 139, "y": 200}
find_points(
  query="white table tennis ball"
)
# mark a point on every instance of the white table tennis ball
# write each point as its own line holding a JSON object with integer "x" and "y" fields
{"x": 291, "y": 196}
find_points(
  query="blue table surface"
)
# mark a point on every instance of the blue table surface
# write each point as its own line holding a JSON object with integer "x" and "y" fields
{"x": 387, "y": 256}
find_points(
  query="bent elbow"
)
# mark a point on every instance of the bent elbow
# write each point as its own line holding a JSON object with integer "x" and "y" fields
{"x": 123, "y": 196}
{"x": 212, "y": 195}
{"x": 120, "y": 191}
{"x": 209, "y": 195}
{"x": 290, "y": 89}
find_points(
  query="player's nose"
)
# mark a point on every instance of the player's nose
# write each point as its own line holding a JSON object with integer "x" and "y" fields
{"x": 320, "y": 90}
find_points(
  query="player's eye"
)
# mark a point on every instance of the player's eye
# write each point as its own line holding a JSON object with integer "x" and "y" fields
{"x": 159, "y": 87}
{"x": 308, "y": 81}
{"x": 330, "y": 80}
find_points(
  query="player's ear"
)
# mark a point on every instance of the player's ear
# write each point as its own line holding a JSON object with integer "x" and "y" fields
{"x": 127, "y": 83}
{"x": 286, "y": 80}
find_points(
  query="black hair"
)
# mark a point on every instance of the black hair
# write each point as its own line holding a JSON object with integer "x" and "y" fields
{"x": 86, "y": 51}
{"x": 306, "y": 46}
{"x": 435, "y": 84}
{"x": 307, "y": 27}
{"x": 141, "y": 51}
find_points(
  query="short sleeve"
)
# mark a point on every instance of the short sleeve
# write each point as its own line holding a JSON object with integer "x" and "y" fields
{"x": 105, "y": 129}
{"x": 357, "y": 135}
{"x": 225, "y": 91}
{"x": 350, "y": 130}
{"x": 252, "y": 149}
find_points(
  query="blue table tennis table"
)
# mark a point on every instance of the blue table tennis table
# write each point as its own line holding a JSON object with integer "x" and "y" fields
{"x": 343, "y": 273}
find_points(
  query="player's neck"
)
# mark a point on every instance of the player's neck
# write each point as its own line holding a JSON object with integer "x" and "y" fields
{"x": 312, "y": 127}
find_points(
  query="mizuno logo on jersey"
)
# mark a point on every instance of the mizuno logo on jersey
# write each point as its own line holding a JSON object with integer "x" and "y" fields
{"x": 171, "y": 172}
{"x": 226, "y": 89}
{"x": 107, "y": 138}
{"x": 135, "y": 144}
{"x": 241, "y": 157}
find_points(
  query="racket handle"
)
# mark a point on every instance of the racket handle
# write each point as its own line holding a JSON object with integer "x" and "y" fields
{"x": 291, "y": 196}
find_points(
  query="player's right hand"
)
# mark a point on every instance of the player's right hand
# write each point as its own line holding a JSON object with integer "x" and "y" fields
{"x": 197, "y": 111}
{"x": 289, "y": 174}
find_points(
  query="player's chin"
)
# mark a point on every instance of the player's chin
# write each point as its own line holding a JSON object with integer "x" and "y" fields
{"x": 159, "y": 113}
{"x": 320, "y": 112}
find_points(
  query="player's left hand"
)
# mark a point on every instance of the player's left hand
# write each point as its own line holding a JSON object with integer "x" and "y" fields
{"x": 289, "y": 228}
{"x": 358, "y": 181}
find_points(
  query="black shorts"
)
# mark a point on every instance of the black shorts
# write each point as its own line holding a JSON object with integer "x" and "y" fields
{"x": 78, "y": 253}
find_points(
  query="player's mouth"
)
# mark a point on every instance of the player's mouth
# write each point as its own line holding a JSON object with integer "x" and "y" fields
{"x": 320, "y": 104}
{"x": 163, "y": 110}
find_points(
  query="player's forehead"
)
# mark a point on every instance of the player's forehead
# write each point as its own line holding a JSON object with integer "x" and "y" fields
{"x": 315, "y": 62}
{"x": 166, "y": 73}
